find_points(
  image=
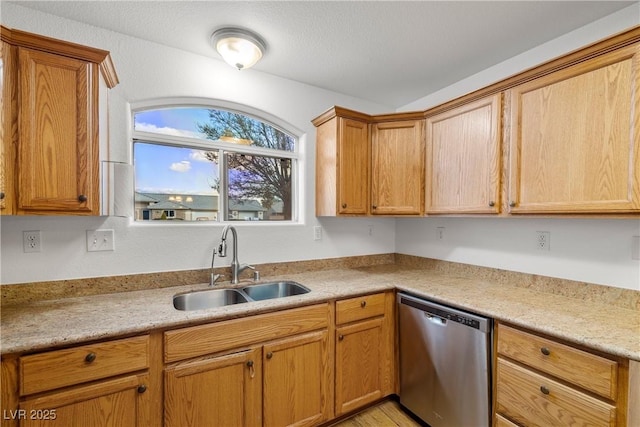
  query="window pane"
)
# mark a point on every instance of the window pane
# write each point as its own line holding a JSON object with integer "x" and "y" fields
{"x": 175, "y": 183}
{"x": 259, "y": 188}
{"x": 212, "y": 124}
{"x": 180, "y": 179}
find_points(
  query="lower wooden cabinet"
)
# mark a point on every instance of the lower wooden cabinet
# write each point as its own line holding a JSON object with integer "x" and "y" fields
{"x": 100, "y": 385}
{"x": 296, "y": 382}
{"x": 223, "y": 390}
{"x": 122, "y": 402}
{"x": 365, "y": 351}
{"x": 273, "y": 369}
{"x": 543, "y": 382}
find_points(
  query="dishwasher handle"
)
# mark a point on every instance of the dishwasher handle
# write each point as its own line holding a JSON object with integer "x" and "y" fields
{"x": 435, "y": 319}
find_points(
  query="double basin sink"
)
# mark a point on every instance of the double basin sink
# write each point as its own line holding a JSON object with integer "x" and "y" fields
{"x": 211, "y": 298}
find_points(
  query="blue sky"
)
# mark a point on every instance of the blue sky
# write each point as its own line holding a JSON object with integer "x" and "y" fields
{"x": 163, "y": 169}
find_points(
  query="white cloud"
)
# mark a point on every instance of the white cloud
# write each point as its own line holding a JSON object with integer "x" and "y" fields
{"x": 183, "y": 166}
{"x": 198, "y": 156}
{"x": 148, "y": 127}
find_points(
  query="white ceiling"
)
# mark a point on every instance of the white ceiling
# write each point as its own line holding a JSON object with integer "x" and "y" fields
{"x": 389, "y": 52}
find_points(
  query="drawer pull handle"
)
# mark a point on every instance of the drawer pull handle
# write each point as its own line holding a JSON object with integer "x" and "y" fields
{"x": 363, "y": 304}
{"x": 545, "y": 351}
{"x": 89, "y": 358}
{"x": 269, "y": 355}
{"x": 142, "y": 388}
{"x": 544, "y": 389}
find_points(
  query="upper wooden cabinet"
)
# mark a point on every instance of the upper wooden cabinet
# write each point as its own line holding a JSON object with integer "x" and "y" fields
{"x": 56, "y": 116}
{"x": 8, "y": 126}
{"x": 369, "y": 164}
{"x": 397, "y": 168}
{"x": 463, "y": 158}
{"x": 342, "y": 166}
{"x": 575, "y": 138}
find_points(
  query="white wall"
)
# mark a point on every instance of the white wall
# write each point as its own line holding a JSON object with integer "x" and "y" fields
{"x": 596, "y": 250}
{"x": 146, "y": 71}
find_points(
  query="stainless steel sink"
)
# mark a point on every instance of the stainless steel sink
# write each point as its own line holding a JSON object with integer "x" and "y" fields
{"x": 274, "y": 290}
{"x": 209, "y": 298}
{"x": 212, "y": 298}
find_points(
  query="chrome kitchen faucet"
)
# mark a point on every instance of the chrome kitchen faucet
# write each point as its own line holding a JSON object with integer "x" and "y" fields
{"x": 236, "y": 267}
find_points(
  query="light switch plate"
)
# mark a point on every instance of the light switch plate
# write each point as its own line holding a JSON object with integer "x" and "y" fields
{"x": 100, "y": 240}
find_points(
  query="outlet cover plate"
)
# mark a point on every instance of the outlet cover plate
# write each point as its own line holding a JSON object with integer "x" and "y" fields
{"x": 32, "y": 241}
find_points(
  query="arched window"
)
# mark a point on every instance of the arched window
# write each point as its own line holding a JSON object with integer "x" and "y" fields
{"x": 199, "y": 163}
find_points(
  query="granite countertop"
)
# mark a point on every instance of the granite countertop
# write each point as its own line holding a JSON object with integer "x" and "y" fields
{"x": 44, "y": 324}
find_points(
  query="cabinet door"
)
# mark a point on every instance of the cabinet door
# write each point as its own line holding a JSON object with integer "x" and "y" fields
{"x": 575, "y": 136}
{"x": 219, "y": 391}
{"x": 297, "y": 377}
{"x": 353, "y": 167}
{"x": 123, "y": 402}
{"x": 8, "y": 127}
{"x": 57, "y": 150}
{"x": 397, "y": 179}
{"x": 359, "y": 364}
{"x": 463, "y": 159}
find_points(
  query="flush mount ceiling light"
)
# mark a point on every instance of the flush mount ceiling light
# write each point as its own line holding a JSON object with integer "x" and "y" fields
{"x": 240, "y": 48}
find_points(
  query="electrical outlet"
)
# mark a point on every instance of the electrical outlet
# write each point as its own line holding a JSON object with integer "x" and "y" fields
{"x": 543, "y": 240}
{"x": 317, "y": 232}
{"x": 32, "y": 241}
{"x": 370, "y": 229}
{"x": 100, "y": 240}
{"x": 440, "y": 233}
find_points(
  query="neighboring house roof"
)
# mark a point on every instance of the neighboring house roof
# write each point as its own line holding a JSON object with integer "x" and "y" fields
{"x": 246, "y": 206}
{"x": 198, "y": 202}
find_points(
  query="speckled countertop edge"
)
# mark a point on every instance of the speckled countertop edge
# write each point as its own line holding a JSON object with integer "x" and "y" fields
{"x": 54, "y": 323}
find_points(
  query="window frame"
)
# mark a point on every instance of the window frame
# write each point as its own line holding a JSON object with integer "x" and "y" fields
{"x": 223, "y": 147}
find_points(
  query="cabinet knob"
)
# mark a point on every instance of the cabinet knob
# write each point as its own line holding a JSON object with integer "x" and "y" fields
{"x": 374, "y": 207}
{"x": 512, "y": 204}
{"x": 344, "y": 206}
{"x": 142, "y": 388}
{"x": 363, "y": 304}
{"x": 492, "y": 203}
{"x": 89, "y": 358}
{"x": 340, "y": 337}
{"x": 269, "y": 355}
{"x": 2, "y": 195}
{"x": 82, "y": 198}
{"x": 544, "y": 389}
{"x": 250, "y": 363}
{"x": 545, "y": 351}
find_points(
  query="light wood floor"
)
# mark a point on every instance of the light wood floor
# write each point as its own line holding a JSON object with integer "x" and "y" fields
{"x": 386, "y": 414}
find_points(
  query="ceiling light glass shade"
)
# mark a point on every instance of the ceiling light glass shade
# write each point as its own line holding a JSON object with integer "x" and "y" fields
{"x": 239, "y": 48}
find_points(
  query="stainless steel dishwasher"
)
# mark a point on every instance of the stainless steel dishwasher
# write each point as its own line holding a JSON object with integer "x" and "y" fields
{"x": 445, "y": 363}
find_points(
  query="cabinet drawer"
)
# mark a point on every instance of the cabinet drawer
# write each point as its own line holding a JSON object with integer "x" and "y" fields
{"x": 535, "y": 400}
{"x": 216, "y": 337}
{"x": 59, "y": 368}
{"x": 353, "y": 309}
{"x": 579, "y": 367}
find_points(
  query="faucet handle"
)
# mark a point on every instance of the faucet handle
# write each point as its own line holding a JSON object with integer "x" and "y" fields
{"x": 214, "y": 279}
{"x": 256, "y": 275}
